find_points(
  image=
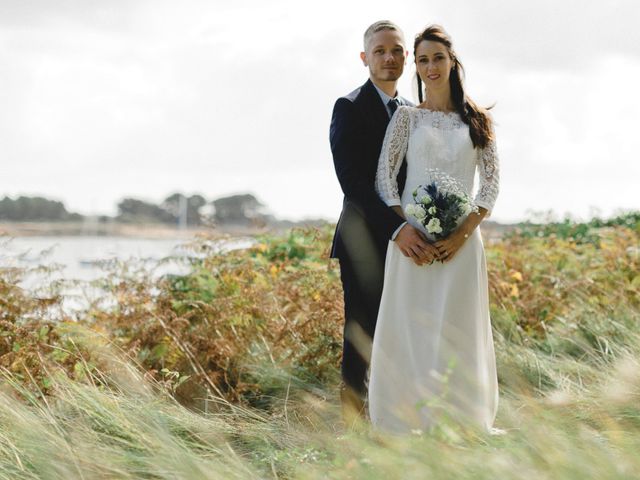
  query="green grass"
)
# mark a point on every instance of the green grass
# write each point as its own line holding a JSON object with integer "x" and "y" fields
{"x": 232, "y": 372}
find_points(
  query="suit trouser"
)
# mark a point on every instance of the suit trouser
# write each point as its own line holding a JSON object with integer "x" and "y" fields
{"x": 362, "y": 284}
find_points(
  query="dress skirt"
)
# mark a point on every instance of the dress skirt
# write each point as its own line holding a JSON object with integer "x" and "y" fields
{"x": 433, "y": 353}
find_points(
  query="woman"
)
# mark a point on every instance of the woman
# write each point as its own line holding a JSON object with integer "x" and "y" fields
{"x": 433, "y": 347}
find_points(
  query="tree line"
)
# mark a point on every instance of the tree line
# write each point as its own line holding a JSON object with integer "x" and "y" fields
{"x": 177, "y": 208}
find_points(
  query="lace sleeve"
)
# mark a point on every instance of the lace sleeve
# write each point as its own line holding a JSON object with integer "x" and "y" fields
{"x": 489, "y": 176}
{"x": 394, "y": 148}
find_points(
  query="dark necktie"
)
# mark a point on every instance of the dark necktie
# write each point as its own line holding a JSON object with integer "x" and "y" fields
{"x": 393, "y": 105}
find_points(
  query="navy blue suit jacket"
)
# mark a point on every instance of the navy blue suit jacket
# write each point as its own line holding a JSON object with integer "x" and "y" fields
{"x": 358, "y": 126}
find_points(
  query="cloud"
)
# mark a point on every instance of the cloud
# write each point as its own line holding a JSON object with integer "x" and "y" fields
{"x": 541, "y": 35}
{"x": 104, "y": 99}
{"x": 114, "y": 15}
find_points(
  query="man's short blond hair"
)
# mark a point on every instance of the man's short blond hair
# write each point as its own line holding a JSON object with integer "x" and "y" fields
{"x": 379, "y": 26}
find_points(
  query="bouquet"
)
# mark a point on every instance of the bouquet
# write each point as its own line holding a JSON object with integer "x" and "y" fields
{"x": 441, "y": 205}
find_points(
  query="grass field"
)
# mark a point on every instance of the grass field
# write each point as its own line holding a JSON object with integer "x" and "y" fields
{"x": 231, "y": 371}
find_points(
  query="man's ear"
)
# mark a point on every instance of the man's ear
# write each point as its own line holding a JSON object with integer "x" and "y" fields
{"x": 363, "y": 57}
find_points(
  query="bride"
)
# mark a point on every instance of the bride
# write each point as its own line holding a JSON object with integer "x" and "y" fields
{"x": 433, "y": 350}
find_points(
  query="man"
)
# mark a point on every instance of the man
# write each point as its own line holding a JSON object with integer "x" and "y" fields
{"x": 366, "y": 223}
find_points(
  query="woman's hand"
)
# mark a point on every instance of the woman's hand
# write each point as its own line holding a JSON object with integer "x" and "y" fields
{"x": 431, "y": 254}
{"x": 448, "y": 247}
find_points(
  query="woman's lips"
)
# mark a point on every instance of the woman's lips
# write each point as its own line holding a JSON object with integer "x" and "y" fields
{"x": 433, "y": 77}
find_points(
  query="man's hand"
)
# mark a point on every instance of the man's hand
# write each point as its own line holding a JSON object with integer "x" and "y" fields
{"x": 414, "y": 245}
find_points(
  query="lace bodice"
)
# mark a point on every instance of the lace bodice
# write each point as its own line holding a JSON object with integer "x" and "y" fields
{"x": 434, "y": 140}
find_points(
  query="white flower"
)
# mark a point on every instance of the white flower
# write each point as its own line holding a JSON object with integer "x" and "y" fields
{"x": 410, "y": 209}
{"x": 419, "y": 212}
{"x": 425, "y": 200}
{"x": 434, "y": 226}
{"x": 433, "y": 210}
{"x": 467, "y": 208}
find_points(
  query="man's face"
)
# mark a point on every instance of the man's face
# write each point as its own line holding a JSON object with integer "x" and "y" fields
{"x": 385, "y": 56}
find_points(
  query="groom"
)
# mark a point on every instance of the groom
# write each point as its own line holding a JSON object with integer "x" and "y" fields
{"x": 366, "y": 223}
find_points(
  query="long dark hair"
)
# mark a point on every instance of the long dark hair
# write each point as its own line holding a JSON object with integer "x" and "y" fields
{"x": 473, "y": 115}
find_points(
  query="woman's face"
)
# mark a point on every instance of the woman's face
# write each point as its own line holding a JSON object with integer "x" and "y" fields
{"x": 433, "y": 63}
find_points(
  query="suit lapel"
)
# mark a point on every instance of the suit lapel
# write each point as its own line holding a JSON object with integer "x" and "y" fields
{"x": 375, "y": 110}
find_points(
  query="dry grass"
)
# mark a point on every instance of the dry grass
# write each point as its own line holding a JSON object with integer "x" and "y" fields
{"x": 232, "y": 369}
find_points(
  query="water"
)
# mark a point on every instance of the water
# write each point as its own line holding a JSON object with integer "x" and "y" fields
{"x": 79, "y": 260}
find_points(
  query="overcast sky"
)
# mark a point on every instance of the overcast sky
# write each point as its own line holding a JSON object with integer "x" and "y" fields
{"x": 105, "y": 99}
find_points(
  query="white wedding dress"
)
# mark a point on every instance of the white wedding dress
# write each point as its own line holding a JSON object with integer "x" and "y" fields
{"x": 433, "y": 346}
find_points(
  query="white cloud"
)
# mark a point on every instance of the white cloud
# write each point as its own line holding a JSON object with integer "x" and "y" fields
{"x": 141, "y": 98}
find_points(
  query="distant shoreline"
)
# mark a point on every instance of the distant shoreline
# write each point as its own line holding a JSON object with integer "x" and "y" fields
{"x": 114, "y": 229}
{"x": 163, "y": 231}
